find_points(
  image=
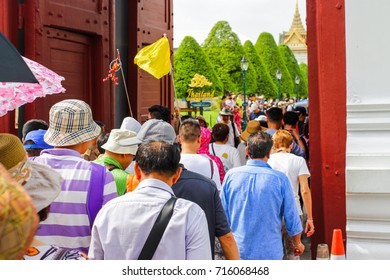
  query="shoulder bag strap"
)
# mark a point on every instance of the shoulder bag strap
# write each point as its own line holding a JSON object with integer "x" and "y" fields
{"x": 212, "y": 147}
{"x": 157, "y": 231}
{"x": 95, "y": 192}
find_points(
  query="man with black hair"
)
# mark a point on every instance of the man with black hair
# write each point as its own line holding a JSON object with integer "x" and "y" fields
{"x": 302, "y": 118}
{"x": 160, "y": 112}
{"x": 33, "y": 124}
{"x": 256, "y": 200}
{"x": 290, "y": 122}
{"x": 122, "y": 227}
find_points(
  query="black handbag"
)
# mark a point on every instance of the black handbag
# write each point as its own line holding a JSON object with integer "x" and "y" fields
{"x": 157, "y": 231}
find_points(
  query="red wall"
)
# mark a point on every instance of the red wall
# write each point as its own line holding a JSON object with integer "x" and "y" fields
{"x": 327, "y": 94}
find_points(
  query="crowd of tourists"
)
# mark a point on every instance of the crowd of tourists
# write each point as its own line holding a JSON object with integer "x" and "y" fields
{"x": 171, "y": 188}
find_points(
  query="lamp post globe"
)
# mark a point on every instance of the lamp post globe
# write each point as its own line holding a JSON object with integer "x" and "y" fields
{"x": 297, "y": 81}
{"x": 278, "y": 77}
{"x": 244, "y": 67}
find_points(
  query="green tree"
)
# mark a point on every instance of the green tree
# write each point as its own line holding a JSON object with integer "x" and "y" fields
{"x": 268, "y": 51}
{"x": 224, "y": 49}
{"x": 265, "y": 86}
{"x": 304, "y": 73}
{"x": 190, "y": 60}
{"x": 294, "y": 70}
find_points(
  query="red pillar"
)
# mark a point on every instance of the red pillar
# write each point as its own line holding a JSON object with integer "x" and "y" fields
{"x": 327, "y": 115}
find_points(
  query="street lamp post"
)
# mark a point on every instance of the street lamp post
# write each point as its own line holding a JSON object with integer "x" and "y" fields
{"x": 278, "y": 77}
{"x": 297, "y": 81}
{"x": 244, "y": 68}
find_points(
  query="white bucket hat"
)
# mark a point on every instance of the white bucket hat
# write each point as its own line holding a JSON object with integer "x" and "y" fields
{"x": 130, "y": 123}
{"x": 71, "y": 123}
{"x": 113, "y": 143}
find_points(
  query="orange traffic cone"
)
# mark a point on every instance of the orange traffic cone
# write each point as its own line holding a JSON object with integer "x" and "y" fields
{"x": 337, "y": 252}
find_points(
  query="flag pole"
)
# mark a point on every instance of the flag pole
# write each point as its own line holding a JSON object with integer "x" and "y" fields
{"x": 124, "y": 84}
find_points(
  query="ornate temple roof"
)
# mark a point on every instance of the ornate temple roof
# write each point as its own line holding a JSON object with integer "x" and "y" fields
{"x": 297, "y": 25}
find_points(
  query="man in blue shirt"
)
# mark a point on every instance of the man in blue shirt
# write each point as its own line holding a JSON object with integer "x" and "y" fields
{"x": 256, "y": 198}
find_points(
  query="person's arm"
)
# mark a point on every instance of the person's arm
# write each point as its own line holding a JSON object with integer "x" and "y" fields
{"x": 307, "y": 202}
{"x": 298, "y": 139}
{"x": 229, "y": 246}
{"x": 299, "y": 248}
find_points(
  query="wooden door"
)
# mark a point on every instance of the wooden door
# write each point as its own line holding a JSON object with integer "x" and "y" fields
{"x": 69, "y": 54}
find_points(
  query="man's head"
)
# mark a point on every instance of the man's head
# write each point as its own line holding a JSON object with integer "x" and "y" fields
{"x": 189, "y": 131}
{"x": 259, "y": 145}
{"x": 301, "y": 112}
{"x": 225, "y": 114}
{"x": 34, "y": 143}
{"x": 71, "y": 123}
{"x": 290, "y": 120}
{"x": 275, "y": 115}
{"x": 158, "y": 159}
{"x": 220, "y": 132}
{"x": 33, "y": 124}
{"x": 160, "y": 113}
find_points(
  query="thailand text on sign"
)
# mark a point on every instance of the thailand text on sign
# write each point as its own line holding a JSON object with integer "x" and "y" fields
{"x": 198, "y": 96}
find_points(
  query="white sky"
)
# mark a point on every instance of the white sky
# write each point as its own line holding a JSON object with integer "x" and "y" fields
{"x": 247, "y": 18}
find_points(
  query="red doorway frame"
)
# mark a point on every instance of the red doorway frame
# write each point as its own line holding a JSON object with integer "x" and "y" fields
{"x": 327, "y": 94}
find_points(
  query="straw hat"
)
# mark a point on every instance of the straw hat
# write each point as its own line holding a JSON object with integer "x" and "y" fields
{"x": 252, "y": 127}
{"x": 18, "y": 218}
{"x": 71, "y": 123}
{"x": 13, "y": 157}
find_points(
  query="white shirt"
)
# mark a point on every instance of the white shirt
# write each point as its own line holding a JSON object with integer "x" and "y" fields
{"x": 201, "y": 164}
{"x": 122, "y": 226}
{"x": 242, "y": 151}
{"x": 293, "y": 166}
{"x": 228, "y": 155}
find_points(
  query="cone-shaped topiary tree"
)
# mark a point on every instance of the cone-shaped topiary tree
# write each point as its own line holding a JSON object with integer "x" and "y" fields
{"x": 190, "y": 60}
{"x": 294, "y": 70}
{"x": 304, "y": 73}
{"x": 224, "y": 49}
{"x": 270, "y": 56}
{"x": 265, "y": 86}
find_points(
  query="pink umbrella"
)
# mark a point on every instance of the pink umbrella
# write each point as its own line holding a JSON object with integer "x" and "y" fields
{"x": 13, "y": 95}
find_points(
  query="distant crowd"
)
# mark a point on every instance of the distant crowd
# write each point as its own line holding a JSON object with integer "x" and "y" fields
{"x": 170, "y": 188}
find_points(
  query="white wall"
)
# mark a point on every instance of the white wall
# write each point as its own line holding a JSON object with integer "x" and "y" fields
{"x": 368, "y": 129}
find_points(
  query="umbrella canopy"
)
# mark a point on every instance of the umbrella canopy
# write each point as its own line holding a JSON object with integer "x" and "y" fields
{"x": 302, "y": 103}
{"x": 12, "y": 66}
{"x": 13, "y": 95}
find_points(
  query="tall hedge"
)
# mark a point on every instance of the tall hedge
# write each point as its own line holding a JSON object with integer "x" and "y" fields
{"x": 190, "y": 60}
{"x": 269, "y": 53}
{"x": 304, "y": 73}
{"x": 263, "y": 80}
{"x": 224, "y": 50}
{"x": 294, "y": 70}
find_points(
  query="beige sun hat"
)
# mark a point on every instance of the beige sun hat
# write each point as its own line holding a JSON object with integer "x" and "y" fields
{"x": 44, "y": 185}
{"x": 71, "y": 123}
{"x": 116, "y": 137}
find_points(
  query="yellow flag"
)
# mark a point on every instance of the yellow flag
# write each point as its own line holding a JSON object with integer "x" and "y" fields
{"x": 155, "y": 58}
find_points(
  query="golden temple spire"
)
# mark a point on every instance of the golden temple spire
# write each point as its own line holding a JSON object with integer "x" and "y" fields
{"x": 297, "y": 23}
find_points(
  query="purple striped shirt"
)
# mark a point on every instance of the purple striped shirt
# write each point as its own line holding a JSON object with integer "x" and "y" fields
{"x": 68, "y": 223}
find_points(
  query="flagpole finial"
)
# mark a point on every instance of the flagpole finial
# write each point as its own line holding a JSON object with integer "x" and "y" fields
{"x": 165, "y": 34}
